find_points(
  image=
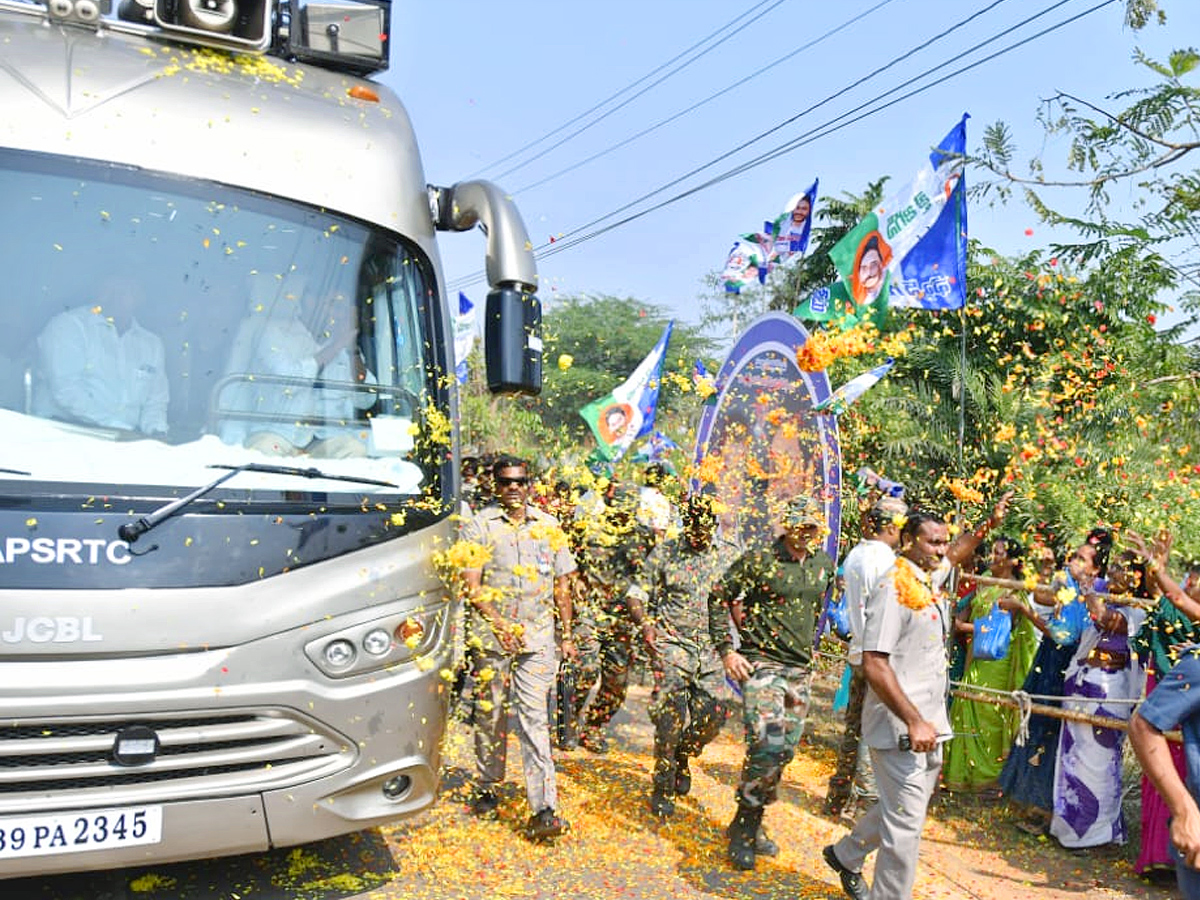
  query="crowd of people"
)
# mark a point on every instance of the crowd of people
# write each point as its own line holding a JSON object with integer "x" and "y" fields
{"x": 974, "y": 664}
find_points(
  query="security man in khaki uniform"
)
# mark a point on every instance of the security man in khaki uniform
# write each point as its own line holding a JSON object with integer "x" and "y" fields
{"x": 513, "y": 601}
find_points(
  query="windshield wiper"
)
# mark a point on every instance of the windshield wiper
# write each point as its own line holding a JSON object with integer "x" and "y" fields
{"x": 131, "y": 531}
{"x": 4, "y": 471}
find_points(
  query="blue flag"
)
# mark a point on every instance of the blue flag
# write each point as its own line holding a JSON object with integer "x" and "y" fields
{"x": 464, "y": 336}
{"x": 793, "y": 227}
{"x": 655, "y": 447}
{"x": 911, "y": 250}
{"x": 933, "y": 275}
{"x": 841, "y": 399}
{"x": 627, "y": 413}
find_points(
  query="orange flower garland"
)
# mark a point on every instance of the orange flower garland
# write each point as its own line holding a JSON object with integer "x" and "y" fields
{"x": 823, "y": 347}
{"x": 910, "y": 590}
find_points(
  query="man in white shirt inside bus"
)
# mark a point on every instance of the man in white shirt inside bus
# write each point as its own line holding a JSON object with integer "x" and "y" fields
{"x": 97, "y": 365}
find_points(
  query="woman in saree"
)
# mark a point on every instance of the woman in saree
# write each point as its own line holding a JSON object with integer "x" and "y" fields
{"x": 1103, "y": 680}
{"x": 1165, "y": 630}
{"x": 1027, "y": 778}
{"x": 984, "y": 731}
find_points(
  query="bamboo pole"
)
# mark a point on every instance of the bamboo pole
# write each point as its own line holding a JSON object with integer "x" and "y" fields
{"x": 1022, "y": 586}
{"x": 1054, "y": 712}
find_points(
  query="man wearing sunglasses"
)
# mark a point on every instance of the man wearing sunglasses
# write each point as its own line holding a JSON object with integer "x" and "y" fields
{"x": 513, "y": 600}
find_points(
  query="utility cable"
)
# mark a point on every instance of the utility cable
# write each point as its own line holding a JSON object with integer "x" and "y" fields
{"x": 737, "y": 84}
{"x": 829, "y": 98}
{"x": 475, "y": 277}
{"x": 551, "y": 249}
{"x": 596, "y": 121}
{"x": 583, "y": 115}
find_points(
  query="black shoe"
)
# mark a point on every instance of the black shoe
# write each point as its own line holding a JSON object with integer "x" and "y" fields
{"x": 683, "y": 776}
{"x": 545, "y": 825}
{"x": 763, "y": 845}
{"x": 593, "y": 740}
{"x": 484, "y": 804}
{"x": 661, "y": 804}
{"x": 742, "y": 832}
{"x": 854, "y": 885}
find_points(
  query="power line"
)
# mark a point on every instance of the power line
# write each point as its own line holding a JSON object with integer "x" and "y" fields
{"x": 475, "y": 277}
{"x": 551, "y": 249}
{"x": 583, "y": 115}
{"x": 737, "y": 84}
{"x": 804, "y": 112}
{"x": 623, "y": 104}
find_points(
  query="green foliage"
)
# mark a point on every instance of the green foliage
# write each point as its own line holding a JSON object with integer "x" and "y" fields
{"x": 1072, "y": 398}
{"x": 1143, "y": 149}
{"x": 600, "y": 340}
{"x": 1139, "y": 13}
{"x": 607, "y": 338}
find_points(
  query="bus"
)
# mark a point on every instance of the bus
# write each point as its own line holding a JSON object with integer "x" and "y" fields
{"x": 227, "y": 385}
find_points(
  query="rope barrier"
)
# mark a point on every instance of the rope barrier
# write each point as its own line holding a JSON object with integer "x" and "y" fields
{"x": 1054, "y": 712}
{"x": 1014, "y": 584}
{"x": 1027, "y": 706}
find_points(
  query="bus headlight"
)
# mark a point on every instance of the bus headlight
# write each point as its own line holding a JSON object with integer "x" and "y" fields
{"x": 339, "y": 654}
{"x": 387, "y": 642}
{"x": 377, "y": 642}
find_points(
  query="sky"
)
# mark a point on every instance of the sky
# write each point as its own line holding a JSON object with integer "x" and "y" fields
{"x": 503, "y": 90}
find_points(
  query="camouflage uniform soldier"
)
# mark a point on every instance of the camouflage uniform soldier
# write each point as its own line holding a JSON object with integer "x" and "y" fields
{"x": 693, "y": 698}
{"x": 616, "y": 548}
{"x": 774, "y": 597}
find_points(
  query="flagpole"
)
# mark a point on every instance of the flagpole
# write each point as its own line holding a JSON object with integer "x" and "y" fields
{"x": 962, "y": 388}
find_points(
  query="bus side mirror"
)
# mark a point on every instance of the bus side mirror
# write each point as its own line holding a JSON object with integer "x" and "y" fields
{"x": 512, "y": 337}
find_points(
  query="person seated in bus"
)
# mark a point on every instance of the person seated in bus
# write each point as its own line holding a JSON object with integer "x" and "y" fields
{"x": 278, "y": 403}
{"x": 98, "y": 365}
{"x": 342, "y": 431}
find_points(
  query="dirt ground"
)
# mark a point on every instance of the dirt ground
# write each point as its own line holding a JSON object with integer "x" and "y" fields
{"x": 971, "y": 848}
{"x": 616, "y": 849}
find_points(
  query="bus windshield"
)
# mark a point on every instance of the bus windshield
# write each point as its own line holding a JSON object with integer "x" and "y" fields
{"x": 155, "y": 328}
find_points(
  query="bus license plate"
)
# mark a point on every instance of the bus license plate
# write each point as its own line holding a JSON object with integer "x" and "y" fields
{"x": 75, "y": 832}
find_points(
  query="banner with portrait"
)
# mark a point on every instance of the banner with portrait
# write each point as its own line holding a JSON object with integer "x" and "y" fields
{"x": 619, "y": 418}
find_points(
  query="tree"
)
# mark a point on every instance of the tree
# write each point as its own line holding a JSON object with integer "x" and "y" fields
{"x": 591, "y": 345}
{"x": 1148, "y": 145}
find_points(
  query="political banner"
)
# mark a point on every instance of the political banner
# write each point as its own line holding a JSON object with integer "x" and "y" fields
{"x": 745, "y": 266}
{"x": 792, "y": 228}
{"x": 911, "y": 249}
{"x": 627, "y": 413}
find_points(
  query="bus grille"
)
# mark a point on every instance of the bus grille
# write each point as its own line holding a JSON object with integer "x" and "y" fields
{"x": 204, "y": 755}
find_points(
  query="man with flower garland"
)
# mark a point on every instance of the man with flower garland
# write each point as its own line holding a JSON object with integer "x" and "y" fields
{"x": 904, "y": 713}
{"x": 774, "y": 597}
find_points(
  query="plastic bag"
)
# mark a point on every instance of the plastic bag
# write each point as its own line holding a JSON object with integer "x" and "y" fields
{"x": 838, "y": 616}
{"x": 841, "y": 699}
{"x": 992, "y": 634}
